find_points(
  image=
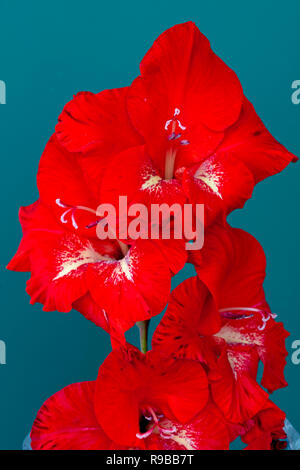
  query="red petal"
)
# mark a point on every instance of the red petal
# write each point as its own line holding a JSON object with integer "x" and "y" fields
{"x": 62, "y": 185}
{"x": 129, "y": 381}
{"x": 222, "y": 184}
{"x": 132, "y": 174}
{"x": 134, "y": 288}
{"x": 67, "y": 421}
{"x": 272, "y": 353}
{"x": 266, "y": 336}
{"x": 174, "y": 252}
{"x": 180, "y": 71}
{"x": 96, "y": 122}
{"x": 190, "y": 317}
{"x": 265, "y": 428}
{"x": 250, "y": 142}
{"x": 206, "y": 432}
{"x": 236, "y": 392}
{"x": 96, "y": 126}
{"x": 232, "y": 265}
{"x": 116, "y": 402}
{"x": 185, "y": 389}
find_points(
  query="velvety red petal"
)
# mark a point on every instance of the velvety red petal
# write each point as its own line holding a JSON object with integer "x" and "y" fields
{"x": 116, "y": 400}
{"x": 207, "y": 431}
{"x": 133, "y": 288}
{"x": 174, "y": 253}
{"x": 96, "y": 122}
{"x": 259, "y": 330}
{"x": 129, "y": 381}
{"x": 190, "y": 319}
{"x": 249, "y": 141}
{"x": 67, "y": 421}
{"x": 185, "y": 389}
{"x": 180, "y": 72}
{"x": 222, "y": 184}
{"x": 63, "y": 187}
{"x": 265, "y": 429}
{"x": 232, "y": 265}
{"x": 273, "y": 353}
{"x": 91, "y": 311}
{"x": 133, "y": 174}
{"x": 96, "y": 127}
{"x": 236, "y": 392}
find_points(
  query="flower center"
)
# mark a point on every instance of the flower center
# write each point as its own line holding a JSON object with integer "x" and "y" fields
{"x": 175, "y": 129}
{"x": 150, "y": 422}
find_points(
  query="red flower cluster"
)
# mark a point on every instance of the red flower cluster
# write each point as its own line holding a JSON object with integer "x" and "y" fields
{"x": 183, "y": 132}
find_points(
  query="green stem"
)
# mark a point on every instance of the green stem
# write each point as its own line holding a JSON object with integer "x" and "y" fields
{"x": 143, "y": 327}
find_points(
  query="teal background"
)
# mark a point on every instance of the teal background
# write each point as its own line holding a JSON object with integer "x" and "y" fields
{"x": 50, "y": 50}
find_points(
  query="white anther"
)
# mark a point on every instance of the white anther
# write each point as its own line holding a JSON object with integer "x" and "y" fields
{"x": 265, "y": 318}
{"x": 63, "y": 216}
{"x": 60, "y": 204}
{"x": 180, "y": 125}
{"x": 74, "y": 223}
{"x": 167, "y": 124}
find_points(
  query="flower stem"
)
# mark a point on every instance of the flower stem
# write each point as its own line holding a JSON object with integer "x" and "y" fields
{"x": 143, "y": 327}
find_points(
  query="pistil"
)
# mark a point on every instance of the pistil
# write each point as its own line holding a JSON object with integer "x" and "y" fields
{"x": 170, "y": 163}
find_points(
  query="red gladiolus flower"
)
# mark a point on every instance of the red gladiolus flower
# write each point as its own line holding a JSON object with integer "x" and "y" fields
{"x": 69, "y": 270}
{"x": 159, "y": 404}
{"x": 247, "y": 331}
{"x": 182, "y": 131}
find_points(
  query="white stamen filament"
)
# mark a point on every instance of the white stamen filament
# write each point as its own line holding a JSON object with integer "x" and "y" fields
{"x": 72, "y": 209}
{"x": 265, "y": 318}
{"x": 164, "y": 432}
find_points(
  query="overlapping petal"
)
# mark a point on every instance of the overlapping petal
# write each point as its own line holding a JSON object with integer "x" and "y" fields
{"x": 265, "y": 431}
{"x": 67, "y": 421}
{"x": 222, "y": 184}
{"x": 64, "y": 189}
{"x": 207, "y": 431}
{"x": 130, "y": 383}
{"x": 222, "y": 320}
{"x": 249, "y": 141}
{"x": 96, "y": 122}
{"x": 232, "y": 265}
